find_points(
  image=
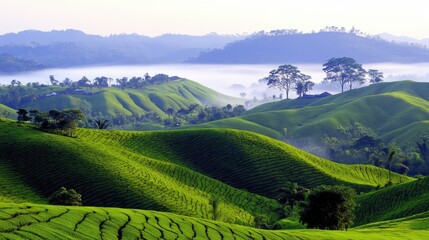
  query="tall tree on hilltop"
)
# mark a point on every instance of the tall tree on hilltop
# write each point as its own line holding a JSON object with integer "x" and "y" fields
{"x": 375, "y": 76}
{"x": 345, "y": 71}
{"x": 285, "y": 76}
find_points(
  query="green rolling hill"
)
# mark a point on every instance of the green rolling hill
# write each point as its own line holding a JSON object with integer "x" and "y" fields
{"x": 7, "y": 111}
{"x": 112, "y": 101}
{"x": 177, "y": 171}
{"x": 180, "y": 172}
{"x": 396, "y": 111}
{"x": 394, "y": 202}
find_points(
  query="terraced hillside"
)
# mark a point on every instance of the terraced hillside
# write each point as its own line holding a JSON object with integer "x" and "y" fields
{"x": 111, "y": 101}
{"x": 109, "y": 175}
{"x": 59, "y": 222}
{"x": 394, "y": 202}
{"x": 396, "y": 111}
{"x": 172, "y": 170}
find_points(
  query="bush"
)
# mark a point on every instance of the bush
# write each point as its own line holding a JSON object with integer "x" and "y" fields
{"x": 66, "y": 197}
{"x": 329, "y": 207}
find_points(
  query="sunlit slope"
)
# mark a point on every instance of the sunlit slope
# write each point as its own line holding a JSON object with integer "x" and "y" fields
{"x": 108, "y": 174}
{"x": 154, "y": 98}
{"x": 390, "y": 109}
{"x": 394, "y": 202}
{"x": 242, "y": 159}
{"x": 7, "y": 111}
{"x": 60, "y": 222}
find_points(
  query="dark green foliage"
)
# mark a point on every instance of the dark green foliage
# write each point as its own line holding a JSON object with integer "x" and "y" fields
{"x": 60, "y": 122}
{"x": 100, "y": 123}
{"x": 66, "y": 197}
{"x": 288, "y": 196}
{"x": 23, "y": 115}
{"x": 329, "y": 207}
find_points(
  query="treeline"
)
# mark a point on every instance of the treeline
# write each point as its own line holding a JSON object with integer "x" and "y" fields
{"x": 360, "y": 145}
{"x": 124, "y": 82}
{"x": 59, "y": 122}
{"x": 194, "y": 114}
{"x": 18, "y": 94}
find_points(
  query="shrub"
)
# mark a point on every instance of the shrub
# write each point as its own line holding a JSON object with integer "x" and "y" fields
{"x": 66, "y": 197}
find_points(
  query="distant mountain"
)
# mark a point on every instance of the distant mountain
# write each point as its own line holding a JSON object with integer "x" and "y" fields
{"x": 313, "y": 48}
{"x": 403, "y": 39}
{"x": 74, "y": 48}
{"x": 11, "y": 64}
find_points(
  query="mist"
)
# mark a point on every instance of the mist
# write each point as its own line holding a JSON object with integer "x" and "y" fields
{"x": 228, "y": 79}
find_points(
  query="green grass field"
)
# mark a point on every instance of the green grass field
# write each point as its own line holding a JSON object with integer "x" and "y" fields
{"x": 29, "y": 221}
{"x": 396, "y": 111}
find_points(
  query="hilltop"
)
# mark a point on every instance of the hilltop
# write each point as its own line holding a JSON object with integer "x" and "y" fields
{"x": 295, "y": 47}
{"x": 111, "y": 101}
{"x": 396, "y": 111}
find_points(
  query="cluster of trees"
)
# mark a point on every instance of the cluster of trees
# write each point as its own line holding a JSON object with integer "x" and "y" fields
{"x": 323, "y": 207}
{"x": 345, "y": 71}
{"x": 360, "y": 145}
{"x": 194, "y": 114}
{"x": 124, "y": 82}
{"x": 59, "y": 122}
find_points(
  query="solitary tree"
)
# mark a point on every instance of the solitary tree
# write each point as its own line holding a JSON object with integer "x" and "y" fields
{"x": 329, "y": 207}
{"x": 66, "y": 197}
{"x": 100, "y": 123}
{"x": 345, "y": 71}
{"x": 284, "y": 77}
{"x": 375, "y": 76}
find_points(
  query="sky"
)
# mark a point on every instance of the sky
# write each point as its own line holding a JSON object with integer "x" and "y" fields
{"x": 199, "y": 17}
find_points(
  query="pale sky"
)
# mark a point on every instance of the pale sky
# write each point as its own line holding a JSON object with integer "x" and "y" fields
{"x": 199, "y": 17}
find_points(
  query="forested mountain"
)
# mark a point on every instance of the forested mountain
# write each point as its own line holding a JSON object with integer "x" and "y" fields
{"x": 281, "y": 47}
{"x": 73, "y": 48}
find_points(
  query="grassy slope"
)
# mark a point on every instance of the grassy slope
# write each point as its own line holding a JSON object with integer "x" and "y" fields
{"x": 394, "y": 202}
{"x": 59, "y": 222}
{"x": 388, "y": 108}
{"x": 131, "y": 168}
{"x": 154, "y": 98}
{"x": 107, "y": 174}
{"x": 6, "y": 109}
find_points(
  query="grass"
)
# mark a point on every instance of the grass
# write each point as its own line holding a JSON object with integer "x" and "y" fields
{"x": 29, "y": 221}
{"x": 394, "y": 202}
{"x": 390, "y": 109}
{"x": 177, "y": 171}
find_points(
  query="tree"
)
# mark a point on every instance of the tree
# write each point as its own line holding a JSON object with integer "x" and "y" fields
{"x": 329, "y": 207}
{"x": 53, "y": 80}
{"x": 289, "y": 195}
{"x": 375, "y": 76}
{"x": 101, "y": 82}
{"x": 100, "y": 123}
{"x": 122, "y": 82}
{"x": 243, "y": 94}
{"x": 284, "y": 77}
{"x": 345, "y": 71}
{"x": 302, "y": 87}
{"x": 23, "y": 115}
{"x": 66, "y": 197}
{"x": 83, "y": 82}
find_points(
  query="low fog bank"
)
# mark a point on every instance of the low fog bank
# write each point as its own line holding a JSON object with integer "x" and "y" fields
{"x": 232, "y": 80}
